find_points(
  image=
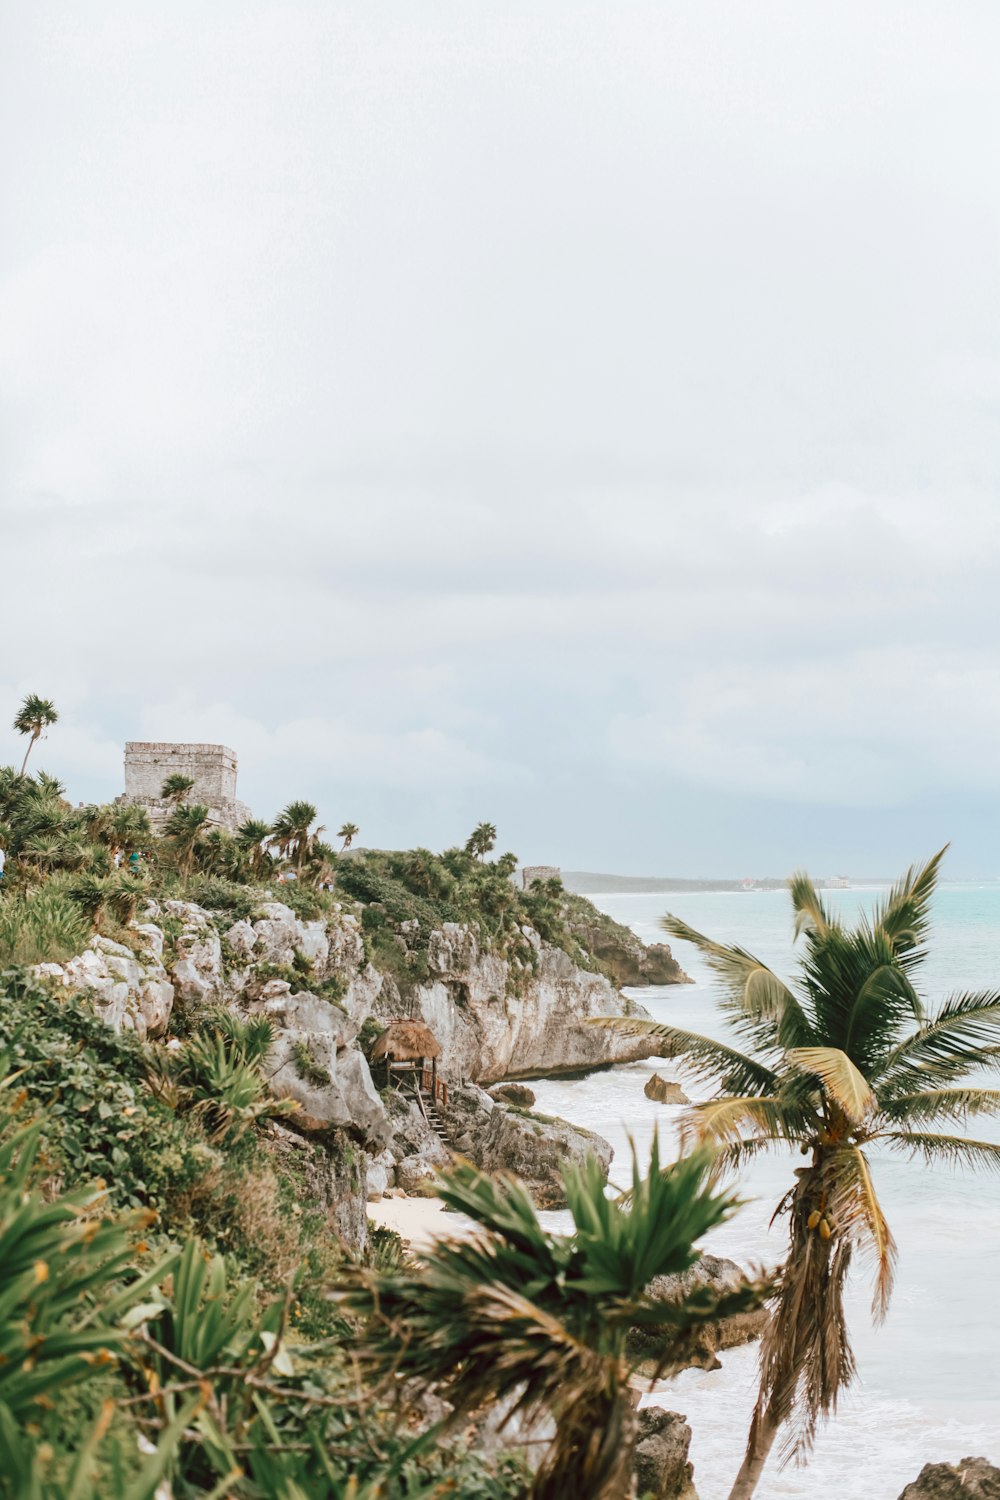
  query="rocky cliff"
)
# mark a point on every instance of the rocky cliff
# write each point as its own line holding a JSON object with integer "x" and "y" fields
{"x": 969, "y": 1479}
{"x": 494, "y": 1016}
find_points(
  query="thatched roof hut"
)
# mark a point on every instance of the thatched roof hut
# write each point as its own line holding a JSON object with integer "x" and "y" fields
{"x": 405, "y": 1041}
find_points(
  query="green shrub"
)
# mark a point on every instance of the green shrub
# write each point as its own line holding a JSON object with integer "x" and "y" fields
{"x": 43, "y": 926}
{"x": 101, "y": 1121}
{"x": 216, "y": 894}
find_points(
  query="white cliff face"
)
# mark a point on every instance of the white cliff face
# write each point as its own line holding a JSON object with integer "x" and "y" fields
{"x": 493, "y": 1016}
{"x": 494, "y": 1020}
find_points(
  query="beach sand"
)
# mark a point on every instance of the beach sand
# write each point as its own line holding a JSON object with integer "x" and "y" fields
{"x": 419, "y": 1221}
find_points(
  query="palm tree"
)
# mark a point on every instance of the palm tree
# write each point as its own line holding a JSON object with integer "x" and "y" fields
{"x": 184, "y": 828}
{"x": 348, "y": 833}
{"x": 481, "y": 840}
{"x": 33, "y": 718}
{"x": 176, "y": 787}
{"x": 845, "y": 1061}
{"x": 515, "y": 1312}
{"x": 294, "y": 834}
{"x": 252, "y": 837}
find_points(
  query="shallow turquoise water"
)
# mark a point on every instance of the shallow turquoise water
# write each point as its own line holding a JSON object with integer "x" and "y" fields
{"x": 930, "y": 1377}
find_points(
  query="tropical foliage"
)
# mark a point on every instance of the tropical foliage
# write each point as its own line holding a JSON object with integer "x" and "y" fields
{"x": 32, "y": 719}
{"x": 845, "y": 1062}
{"x": 539, "y": 1321}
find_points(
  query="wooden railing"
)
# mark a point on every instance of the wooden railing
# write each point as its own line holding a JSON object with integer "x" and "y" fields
{"x": 434, "y": 1086}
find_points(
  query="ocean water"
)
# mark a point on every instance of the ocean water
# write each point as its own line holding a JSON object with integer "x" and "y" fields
{"x": 929, "y": 1385}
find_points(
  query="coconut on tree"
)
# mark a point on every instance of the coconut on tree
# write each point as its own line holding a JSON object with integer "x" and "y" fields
{"x": 347, "y": 834}
{"x": 33, "y": 718}
{"x": 481, "y": 840}
{"x": 845, "y": 1061}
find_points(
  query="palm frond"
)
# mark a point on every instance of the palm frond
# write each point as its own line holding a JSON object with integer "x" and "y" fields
{"x": 724, "y": 1120}
{"x": 810, "y": 914}
{"x": 704, "y": 1056}
{"x": 953, "y": 1150}
{"x": 963, "y": 1035}
{"x": 759, "y": 1004}
{"x": 932, "y": 1105}
{"x": 904, "y": 915}
{"x": 855, "y": 1207}
{"x": 841, "y": 1079}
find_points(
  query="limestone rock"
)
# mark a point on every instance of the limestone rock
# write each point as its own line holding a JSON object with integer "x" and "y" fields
{"x": 969, "y": 1479}
{"x": 662, "y": 1468}
{"x": 338, "y": 1091}
{"x": 536, "y": 1148}
{"x": 663, "y": 1091}
{"x": 513, "y": 1093}
{"x": 494, "y": 1018}
{"x": 381, "y": 1175}
{"x": 128, "y": 993}
{"x": 723, "y": 1276}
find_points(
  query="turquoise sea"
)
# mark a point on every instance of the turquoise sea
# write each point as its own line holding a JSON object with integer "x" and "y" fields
{"x": 929, "y": 1388}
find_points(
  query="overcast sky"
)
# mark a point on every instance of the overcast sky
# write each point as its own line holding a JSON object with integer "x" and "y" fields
{"x": 581, "y": 416}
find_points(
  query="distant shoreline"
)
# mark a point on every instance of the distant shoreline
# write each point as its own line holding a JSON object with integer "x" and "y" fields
{"x": 589, "y": 882}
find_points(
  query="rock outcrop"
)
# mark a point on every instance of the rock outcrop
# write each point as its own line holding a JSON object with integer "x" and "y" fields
{"x": 722, "y": 1276}
{"x": 663, "y": 1091}
{"x": 513, "y": 1093}
{"x": 662, "y": 1467}
{"x": 499, "y": 1137}
{"x": 131, "y": 990}
{"x": 969, "y": 1479}
{"x": 624, "y": 957}
{"x": 495, "y": 1020}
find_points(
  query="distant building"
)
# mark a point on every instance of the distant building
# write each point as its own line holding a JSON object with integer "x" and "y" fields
{"x": 531, "y": 873}
{"x": 840, "y": 883}
{"x": 212, "y": 768}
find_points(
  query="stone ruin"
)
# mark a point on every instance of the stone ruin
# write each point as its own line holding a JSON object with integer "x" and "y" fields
{"x": 212, "y": 768}
{"x": 539, "y": 872}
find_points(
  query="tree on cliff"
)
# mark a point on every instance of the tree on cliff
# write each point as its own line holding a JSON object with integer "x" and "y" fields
{"x": 176, "y": 787}
{"x": 481, "y": 840}
{"x": 184, "y": 828}
{"x": 33, "y": 718}
{"x": 251, "y": 839}
{"x": 845, "y": 1062}
{"x": 294, "y": 834}
{"x": 516, "y": 1313}
{"x": 347, "y": 834}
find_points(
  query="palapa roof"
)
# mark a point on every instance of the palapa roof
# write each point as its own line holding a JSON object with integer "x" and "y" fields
{"x": 403, "y": 1041}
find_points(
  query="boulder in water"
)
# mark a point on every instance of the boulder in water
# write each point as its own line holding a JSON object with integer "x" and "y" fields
{"x": 663, "y": 1091}
{"x": 513, "y": 1093}
{"x": 970, "y": 1479}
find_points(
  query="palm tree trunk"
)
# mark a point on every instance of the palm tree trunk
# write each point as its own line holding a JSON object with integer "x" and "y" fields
{"x": 27, "y": 752}
{"x": 755, "y": 1458}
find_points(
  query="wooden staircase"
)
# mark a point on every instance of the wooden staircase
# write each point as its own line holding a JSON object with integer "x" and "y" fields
{"x": 432, "y": 1114}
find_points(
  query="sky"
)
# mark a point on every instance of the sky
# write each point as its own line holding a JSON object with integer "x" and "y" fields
{"x": 584, "y": 417}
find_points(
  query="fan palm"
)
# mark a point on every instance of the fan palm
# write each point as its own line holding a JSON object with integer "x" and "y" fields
{"x": 184, "y": 828}
{"x": 252, "y": 837}
{"x": 33, "y": 718}
{"x": 294, "y": 834}
{"x": 347, "y": 834}
{"x": 514, "y": 1312}
{"x": 176, "y": 787}
{"x": 845, "y": 1062}
{"x": 481, "y": 840}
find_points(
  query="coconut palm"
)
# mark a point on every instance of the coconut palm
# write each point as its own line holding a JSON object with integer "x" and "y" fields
{"x": 176, "y": 787}
{"x": 294, "y": 834}
{"x": 516, "y": 1313}
{"x": 845, "y": 1061}
{"x": 33, "y": 718}
{"x": 347, "y": 834}
{"x": 184, "y": 828}
{"x": 481, "y": 840}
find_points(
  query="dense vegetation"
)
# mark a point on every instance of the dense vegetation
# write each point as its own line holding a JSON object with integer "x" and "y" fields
{"x": 174, "y": 1307}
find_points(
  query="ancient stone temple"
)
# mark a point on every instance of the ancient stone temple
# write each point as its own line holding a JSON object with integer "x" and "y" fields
{"x": 539, "y": 872}
{"x": 212, "y": 768}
